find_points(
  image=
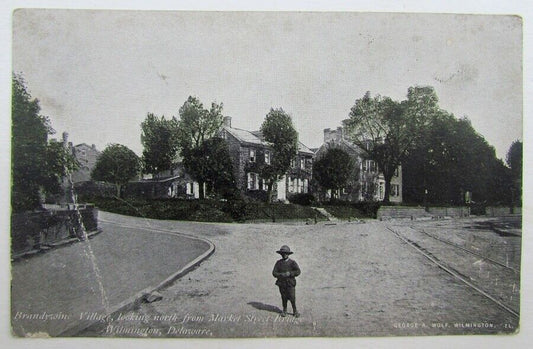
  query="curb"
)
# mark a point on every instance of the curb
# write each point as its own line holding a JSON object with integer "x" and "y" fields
{"x": 134, "y": 300}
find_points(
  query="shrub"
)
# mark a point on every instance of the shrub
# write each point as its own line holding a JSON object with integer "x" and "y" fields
{"x": 304, "y": 199}
{"x": 364, "y": 208}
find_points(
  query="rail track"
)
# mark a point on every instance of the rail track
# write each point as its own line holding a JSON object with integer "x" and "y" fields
{"x": 457, "y": 261}
{"x": 488, "y": 259}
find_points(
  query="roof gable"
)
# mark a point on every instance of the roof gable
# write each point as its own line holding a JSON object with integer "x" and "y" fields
{"x": 256, "y": 137}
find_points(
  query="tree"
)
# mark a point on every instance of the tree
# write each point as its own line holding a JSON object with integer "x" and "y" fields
{"x": 450, "y": 159}
{"x": 60, "y": 163}
{"x": 36, "y": 167}
{"x": 159, "y": 139}
{"x": 334, "y": 169}
{"x": 215, "y": 169}
{"x": 195, "y": 126}
{"x": 117, "y": 165}
{"x": 386, "y": 130}
{"x": 278, "y": 130}
{"x": 514, "y": 161}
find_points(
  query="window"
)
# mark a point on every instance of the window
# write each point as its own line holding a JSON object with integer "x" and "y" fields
{"x": 302, "y": 164}
{"x": 300, "y": 185}
{"x": 189, "y": 189}
{"x": 253, "y": 181}
{"x": 373, "y": 167}
{"x": 381, "y": 190}
{"x": 252, "y": 155}
{"x": 267, "y": 157}
{"x": 395, "y": 190}
{"x": 306, "y": 185}
{"x": 397, "y": 172}
{"x": 291, "y": 185}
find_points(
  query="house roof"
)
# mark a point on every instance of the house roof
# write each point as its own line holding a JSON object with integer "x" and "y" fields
{"x": 256, "y": 137}
{"x": 85, "y": 145}
{"x": 342, "y": 142}
{"x": 245, "y": 136}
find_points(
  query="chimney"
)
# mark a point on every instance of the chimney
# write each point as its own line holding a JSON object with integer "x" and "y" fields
{"x": 327, "y": 135}
{"x": 340, "y": 133}
{"x": 227, "y": 121}
{"x": 93, "y": 146}
{"x": 65, "y": 139}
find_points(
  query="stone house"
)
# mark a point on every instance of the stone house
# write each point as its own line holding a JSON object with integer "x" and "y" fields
{"x": 368, "y": 182}
{"x": 86, "y": 156}
{"x": 248, "y": 151}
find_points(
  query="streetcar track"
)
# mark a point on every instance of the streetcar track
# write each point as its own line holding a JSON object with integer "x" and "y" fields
{"x": 456, "y": 274}
{"x": 467, "y": 250}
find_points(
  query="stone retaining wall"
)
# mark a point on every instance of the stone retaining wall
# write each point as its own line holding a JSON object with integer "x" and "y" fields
{"x": 389, "y": 212}
{"x": 33, "y": 230}
{"x": 449, "y": 211}
{"x": 392, "y": 212}
{"x": 494, "y": 211}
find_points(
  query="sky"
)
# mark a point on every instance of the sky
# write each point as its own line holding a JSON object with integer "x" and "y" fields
{"x": 98, "y": 73}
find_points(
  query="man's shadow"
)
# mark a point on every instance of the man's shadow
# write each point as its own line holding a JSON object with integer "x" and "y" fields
{"x": 263, "y": 306}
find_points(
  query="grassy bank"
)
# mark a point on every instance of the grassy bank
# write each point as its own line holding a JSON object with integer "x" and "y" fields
{"x": 207, "y": 210}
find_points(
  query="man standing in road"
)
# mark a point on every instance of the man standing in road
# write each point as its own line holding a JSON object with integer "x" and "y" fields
{"x": 285, "y": 270}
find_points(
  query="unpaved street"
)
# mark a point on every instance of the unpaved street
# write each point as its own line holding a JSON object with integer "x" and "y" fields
{"x": 73, "y": 285}
{"x": 358, "y": 279}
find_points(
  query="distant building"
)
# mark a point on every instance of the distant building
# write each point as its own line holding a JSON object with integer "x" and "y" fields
{"x": 86, "y": 156}
{"x": 168, "y": 184}
{"x": 369, "y": 184}
{"x": 248, "y": 150}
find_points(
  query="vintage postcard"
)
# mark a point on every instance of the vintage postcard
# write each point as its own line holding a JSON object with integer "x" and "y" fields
{"x": 193, "y": 174}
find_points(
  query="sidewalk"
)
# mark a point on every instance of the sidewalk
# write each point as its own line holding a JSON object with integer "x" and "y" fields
{"x": 357, "y": 280}
{"x": 74, "y": 285}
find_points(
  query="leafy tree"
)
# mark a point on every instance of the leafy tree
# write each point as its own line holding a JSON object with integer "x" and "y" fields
{"x": 117, "y": 165}
{"x": 514, "y": 161}
{"x": 278, "y": 130}
{"x": 450, "y": 159}
{"x": 159, "y": 139}
{"x": 37, "y": 167}
{"x": 215, "y": 169}
{"x": 386, "y": 130}
{"x": 334, "y": 169}
{"x": 60, "y": 163}
{"x": 196, "y": 125}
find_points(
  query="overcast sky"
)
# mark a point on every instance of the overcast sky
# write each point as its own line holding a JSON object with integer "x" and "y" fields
{"x": 98, "y": 73}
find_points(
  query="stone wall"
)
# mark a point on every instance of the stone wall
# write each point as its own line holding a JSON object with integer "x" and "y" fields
{"x": 449, "y": 211}
{"x": 391, "y": 212}
{"x": 33, "y": 230}
{"x": 494, "y": 211}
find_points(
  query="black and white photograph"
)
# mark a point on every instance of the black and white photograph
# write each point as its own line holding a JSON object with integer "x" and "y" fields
{"x": 248, "y": 174}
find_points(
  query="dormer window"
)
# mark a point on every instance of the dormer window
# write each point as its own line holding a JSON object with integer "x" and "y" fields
{"x": 252, "y": 155}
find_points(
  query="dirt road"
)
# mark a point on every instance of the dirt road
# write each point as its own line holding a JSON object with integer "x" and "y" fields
{"x": 358, "y": 279}
{"x": 74, "y": 285}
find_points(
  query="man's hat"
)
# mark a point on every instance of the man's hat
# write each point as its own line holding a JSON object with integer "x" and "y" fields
{"x": 284, "y": 250}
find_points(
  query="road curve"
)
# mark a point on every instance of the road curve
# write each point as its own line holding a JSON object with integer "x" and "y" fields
{"x": 69, "y": 288}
